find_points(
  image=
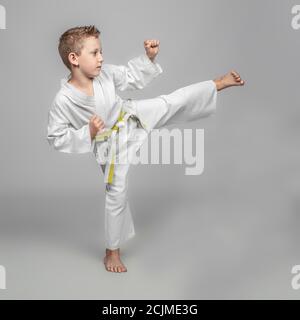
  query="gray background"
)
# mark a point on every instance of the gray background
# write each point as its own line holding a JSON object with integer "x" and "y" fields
{"x": 232, "y": 232}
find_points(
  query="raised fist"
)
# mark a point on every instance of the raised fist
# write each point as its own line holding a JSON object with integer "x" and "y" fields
{"x": 152, "y": 48}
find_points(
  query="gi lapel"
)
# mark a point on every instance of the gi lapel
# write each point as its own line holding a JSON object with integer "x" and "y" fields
{"x": 99, "y": 99}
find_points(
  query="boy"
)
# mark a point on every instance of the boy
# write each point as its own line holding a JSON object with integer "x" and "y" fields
{"x": 87, "y": 116}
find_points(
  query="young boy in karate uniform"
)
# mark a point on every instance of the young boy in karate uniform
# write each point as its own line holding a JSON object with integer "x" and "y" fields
{"x": 87, "y": 116}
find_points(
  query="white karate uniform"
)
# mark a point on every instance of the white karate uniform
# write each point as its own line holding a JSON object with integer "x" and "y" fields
{"x": 71, "y": 110}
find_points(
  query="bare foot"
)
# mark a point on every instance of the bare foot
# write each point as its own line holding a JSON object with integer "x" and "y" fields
{"x": 232, "y": 78}
{"x": 113, "y": 262}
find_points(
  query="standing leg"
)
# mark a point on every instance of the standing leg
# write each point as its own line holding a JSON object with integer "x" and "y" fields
{"x": 119, "y": 226}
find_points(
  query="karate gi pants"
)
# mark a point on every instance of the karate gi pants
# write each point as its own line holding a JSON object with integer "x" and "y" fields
{"x": 183, "y": 105}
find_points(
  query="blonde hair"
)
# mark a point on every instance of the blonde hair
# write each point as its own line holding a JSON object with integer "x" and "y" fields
{"x": 72, "y": 41}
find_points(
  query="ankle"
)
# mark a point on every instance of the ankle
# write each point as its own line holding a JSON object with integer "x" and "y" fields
{"x": 219, "y": 84}
{"x": 113, "y": 252}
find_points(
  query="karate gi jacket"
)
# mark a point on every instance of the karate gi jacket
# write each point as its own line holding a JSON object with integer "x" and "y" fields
{"x": 70, "y": 112}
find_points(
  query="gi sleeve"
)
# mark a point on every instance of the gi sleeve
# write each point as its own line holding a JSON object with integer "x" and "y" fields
{"x": 137, "y": 75}
{"x": 64, "y": 137}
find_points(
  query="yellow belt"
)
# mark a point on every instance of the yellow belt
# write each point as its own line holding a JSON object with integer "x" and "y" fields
{"x": 103, "y": 136}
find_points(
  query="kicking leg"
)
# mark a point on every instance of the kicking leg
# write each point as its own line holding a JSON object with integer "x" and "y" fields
{"x": 185, "y": 104}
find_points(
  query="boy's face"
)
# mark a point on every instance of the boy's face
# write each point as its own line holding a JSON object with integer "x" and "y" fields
{"x": 90, "y": 59}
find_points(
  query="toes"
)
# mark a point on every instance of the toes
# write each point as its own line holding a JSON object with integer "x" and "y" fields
{"x": 239, "y": 80}
{"x": 108, "y": 267}
{"x": 123, "y": 269}
{"x": 118, "y": 269}
{"x": 114, "y": 267}
{"x": 235, "y": 74}
{"x": 237, "y": 77}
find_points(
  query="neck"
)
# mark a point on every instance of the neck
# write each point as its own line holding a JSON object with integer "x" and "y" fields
{"x": 80, "y": 80}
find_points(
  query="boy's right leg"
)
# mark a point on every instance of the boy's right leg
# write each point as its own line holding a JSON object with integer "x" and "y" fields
{"x": 185, "y": 104}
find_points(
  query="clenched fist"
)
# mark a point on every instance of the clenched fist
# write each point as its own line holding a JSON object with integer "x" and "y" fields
{"x": 151, "y": 47}
{"x": 96, "y": 124}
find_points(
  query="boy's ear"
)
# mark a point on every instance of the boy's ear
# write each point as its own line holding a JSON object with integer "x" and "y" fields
{"x": 73, "y": 58}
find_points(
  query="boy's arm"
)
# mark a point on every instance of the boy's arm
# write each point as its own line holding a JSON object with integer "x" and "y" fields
{"x": 65, "y": 138}
{"x": 139, "y": 72}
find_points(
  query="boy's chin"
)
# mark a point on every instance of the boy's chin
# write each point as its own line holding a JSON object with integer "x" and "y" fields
{"x": 94, "y": 74}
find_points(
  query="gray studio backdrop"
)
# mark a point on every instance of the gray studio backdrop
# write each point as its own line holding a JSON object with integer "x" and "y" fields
{"x": 231, "y": 232}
